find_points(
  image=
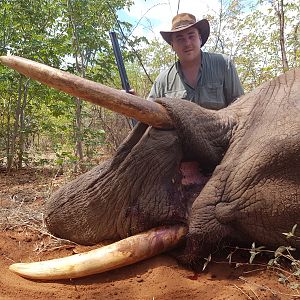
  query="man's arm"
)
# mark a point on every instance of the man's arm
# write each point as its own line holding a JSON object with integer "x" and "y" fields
{"x": 232, "y": 85}
{"x": 157, "y": 90}
{"x": 153, "y": 92}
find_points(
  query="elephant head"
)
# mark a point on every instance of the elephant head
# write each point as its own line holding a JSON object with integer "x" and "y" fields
{"x": 251, "y": 149}
{"x": 254, "y": 192}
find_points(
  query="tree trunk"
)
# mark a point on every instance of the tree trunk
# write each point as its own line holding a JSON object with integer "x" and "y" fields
{"x": 218, "y": 37}
{"x": 279, "y": 8}
{"x": 21, "y": 145}
{"x": 6, "y": 125}
{"x": 80, "y": 68}
{"x": 78, "y": 129}
{"x": 14, "y": 137}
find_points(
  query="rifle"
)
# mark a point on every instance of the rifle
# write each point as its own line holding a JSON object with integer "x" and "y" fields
{"x": 121, "y": 67}
{"x": 119, "y": 60}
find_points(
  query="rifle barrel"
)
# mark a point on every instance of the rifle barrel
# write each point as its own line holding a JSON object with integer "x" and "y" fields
{"x": 120, "y": 62}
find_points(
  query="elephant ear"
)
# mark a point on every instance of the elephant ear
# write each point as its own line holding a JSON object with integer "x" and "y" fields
{"x": 205, "y": 134}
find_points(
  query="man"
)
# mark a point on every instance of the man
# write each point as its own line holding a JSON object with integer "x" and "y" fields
{"x": 208, "y": 79}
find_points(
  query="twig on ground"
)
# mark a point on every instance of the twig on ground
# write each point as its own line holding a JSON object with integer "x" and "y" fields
{"x": 244, "y": 293}
{"x": 26, "y": 218}
{"x": 267, "y": 288}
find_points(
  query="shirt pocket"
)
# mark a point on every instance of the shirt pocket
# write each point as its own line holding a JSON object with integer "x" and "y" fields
{"x": 179, "y": 94}
{"x": 212, "y": 96}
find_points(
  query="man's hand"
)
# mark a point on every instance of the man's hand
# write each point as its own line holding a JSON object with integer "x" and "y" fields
{"x": 131, "y": 91}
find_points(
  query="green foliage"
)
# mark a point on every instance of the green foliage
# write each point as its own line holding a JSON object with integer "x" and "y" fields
{"x": 66, "y": 34}
{"x": 291, "y": 234}
{"x": 251, "y": 36}
{"x": 283, "y": 260}
{"x": 283, "y": 254}
{"x": 156, "y": 56}
{"x": 64, "y": 156}
{"x": 254, "y": 251}
{"x": 93, "y": 139}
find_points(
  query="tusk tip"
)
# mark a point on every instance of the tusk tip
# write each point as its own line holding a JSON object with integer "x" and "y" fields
{"x": 21, "y": 269}
{"x": 16, "y": 268}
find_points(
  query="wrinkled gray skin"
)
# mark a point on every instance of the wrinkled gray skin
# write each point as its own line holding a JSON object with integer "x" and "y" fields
{"x": 253, "y": 195}
{"x": 137, "y": 190}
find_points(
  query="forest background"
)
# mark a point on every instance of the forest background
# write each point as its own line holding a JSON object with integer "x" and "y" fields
{"x": 42, "y": 127}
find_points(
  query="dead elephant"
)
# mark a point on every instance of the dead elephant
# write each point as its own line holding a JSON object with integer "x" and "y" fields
{"x": 252, "y": 149}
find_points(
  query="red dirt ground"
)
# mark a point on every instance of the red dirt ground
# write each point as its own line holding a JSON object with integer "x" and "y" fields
{"x": 22, "y": 194}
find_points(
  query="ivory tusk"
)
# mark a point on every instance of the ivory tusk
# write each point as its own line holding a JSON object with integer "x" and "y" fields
{"x": 116, "y": 255}
{"x": 148, "y": 112}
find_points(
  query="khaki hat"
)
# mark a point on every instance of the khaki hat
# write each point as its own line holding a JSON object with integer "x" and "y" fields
{"x": 183, "y": 21}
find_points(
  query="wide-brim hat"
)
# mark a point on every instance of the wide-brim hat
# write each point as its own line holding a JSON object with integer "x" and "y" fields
{"x": 183, "y": 21}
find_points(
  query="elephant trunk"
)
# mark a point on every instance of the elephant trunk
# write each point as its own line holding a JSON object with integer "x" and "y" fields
{"x": 113, "y": 256}
{"x": 148, "y": 112}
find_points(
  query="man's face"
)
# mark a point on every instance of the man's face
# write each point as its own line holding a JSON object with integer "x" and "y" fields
{"x": 187, "y": 44}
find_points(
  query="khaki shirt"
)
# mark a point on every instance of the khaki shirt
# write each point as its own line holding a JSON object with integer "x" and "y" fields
{"x": 218, "y": 83}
